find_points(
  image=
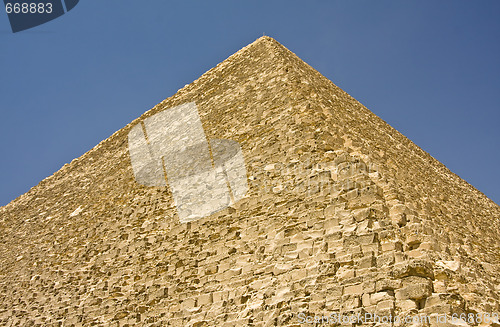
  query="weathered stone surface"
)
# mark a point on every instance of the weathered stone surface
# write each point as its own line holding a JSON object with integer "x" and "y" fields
{"x": 413, "y": 268}
{"x": 342, "y": 214}
{"x": 414, "y": 288}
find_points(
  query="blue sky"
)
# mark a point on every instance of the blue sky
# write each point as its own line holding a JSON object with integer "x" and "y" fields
{"x": 430, "y": 69}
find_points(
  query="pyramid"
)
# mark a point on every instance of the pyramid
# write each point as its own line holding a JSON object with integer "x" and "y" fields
{"x": 338, "y": 216}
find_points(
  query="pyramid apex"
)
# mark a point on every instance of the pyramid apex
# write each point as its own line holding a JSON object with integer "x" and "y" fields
{"x": 265, "y": 38}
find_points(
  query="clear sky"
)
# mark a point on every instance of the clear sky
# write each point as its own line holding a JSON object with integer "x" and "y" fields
{"x": 430, "y": 69}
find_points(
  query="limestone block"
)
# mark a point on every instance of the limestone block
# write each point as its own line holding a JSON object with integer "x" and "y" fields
{"x": 352, "y": 193}
{"x": 455, "y": 301}
{"x": 429, "y": 246}
{"x": 334, "y": 292}
{"x": 188, "y": 303}
{"x": 414, "y": 288}
{"x": 365, "y": 300}
{"x": 385, "y": 260}
{"x": 439, "y": 286}
{"x": 220, "y": 296}
{"x": 332, "y": 226}
{"x": 369, "y": 285}
{"x": 345, "y": 272}
{"x": 316, "y": 306}
{"x": 406, "y": 305}
{"x": 367, "y": 248}
{"x": 417, "y": 254}
{"x": 385, "y": 308}
{"x": 389, "y": 245}
{"x": 400, "y": 257}
{"x": 205, "y": 299}
{"x": 366, "y": 262}
{"x": 380, "y": 296}
{"x": 397, "y": 213}
{"x": 453, "y": 266}
{"x": 415, "y": 267}
{"x": 361, "y": 214}
{"x": 308, "y": 244}
{"x": 350, "y": 302}
{"x": 387, "y": 284}
{"x": 280, "y": 268}
{"x": 329, "y": 211}
{"x": 353, "y": 289}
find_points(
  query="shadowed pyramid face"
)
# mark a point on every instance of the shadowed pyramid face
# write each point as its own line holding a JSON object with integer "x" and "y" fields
{"x": 170, "y": 148}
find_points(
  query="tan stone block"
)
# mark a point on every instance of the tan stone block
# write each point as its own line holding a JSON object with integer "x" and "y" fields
{"x": 391, "y": 246}
{"x": 281, "y": 268}
{"x": 353, "y": 289}
{"x": 220, "y": 296}
{"x": 439, "y": 286}
{"x": 334, "y": 292}
{"x": 329, "y": 212}
{"x": 292, "y": 255}
{"x": 367, "y": 248}
{"x": 298, "y": 274}
{"x": 387, "y": 284}
{"x": 234, "y": 271}
{"x": 188, "y": 303}
{"x": 343, "y": 258}
{"x": 414, "y": 267}
{"x": 365, "y": 300}
{"x": 370, "y": 308}
{"x": 406, "y": 305}
{"x": 350, "y": 302}
{"x": 204, "y": 299}
{"x": 385, "y": 260}
{"x": 345, "y": 272}
{"x": 385, "y": 308}
{"x": 366, "y": 262}
{"x": 415, "y": 291}
{"x": 417, "y": 254}
{"x": 316, "y": 306}
{"x": 380, "y": 296}
{"x": 368, "y": 285}
{"x": 361, "y": 214}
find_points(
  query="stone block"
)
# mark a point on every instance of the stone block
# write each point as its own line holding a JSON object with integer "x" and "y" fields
{"x": 380, "y": 296}
{"x": 345, "y": 272}
{"x": 414, "y": 288}
{"x": 454, "y": 300}
{"x": 366, "y": 248}
{"x": 281, "y": 268}
{"x": 368, "y": 286}
{"x": 385, "y": 308}
{"x": 366, "y": 262}
{"x": 188, "y": 303}
{"x": 350, "y": 302}
{"x": 353, "y": 289}
{"x": 387, "y": 284}
{"x": 204, "y": 299}
{"x": 415, "y": 267}
{"x": 365, "y": 300}
{"x": 220, "y": 296}
{"x": 361, "y": 214}
{"x": 387, "y": 245}
{"x": 385, "y": 260}
{"x": 406, "y": 305}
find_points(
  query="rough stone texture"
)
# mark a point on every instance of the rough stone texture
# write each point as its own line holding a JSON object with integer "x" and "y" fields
{"x": 343, "y": 214}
